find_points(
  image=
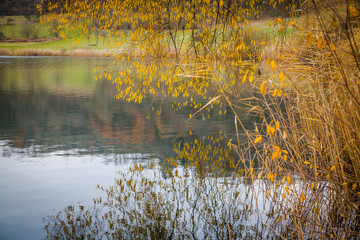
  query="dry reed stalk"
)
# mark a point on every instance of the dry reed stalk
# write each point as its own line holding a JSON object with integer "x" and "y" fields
{"x": 321, "y": 118}
{"x": 5, "y": 52}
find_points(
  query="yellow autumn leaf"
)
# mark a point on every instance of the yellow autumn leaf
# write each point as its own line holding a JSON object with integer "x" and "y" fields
{"x": 251, "y": 78}
{"x": 293, "y": 24}
{"x": 302, "y": 197}
{"x": 281, "y": 29}
{"x": 332, "y": 168}
{"x": 272, "y": 64}
{"x": 258, "y": 139}
{"x": 288, "y": 179}
{"x": 306, "y": 162}
{"x": 270, "y": 130}
{"x": 244, "y": 78}
{"x": 263, "y": 88}
{"x": 353, "y": 11}
{"x": 277, "y": 125}
{"x": 221, "y": 3}
{"x": 332, "y": 47}
{"x": 281, "y": 76}
{"x": 275, "y": 92}
{"x": 309, "y": 37}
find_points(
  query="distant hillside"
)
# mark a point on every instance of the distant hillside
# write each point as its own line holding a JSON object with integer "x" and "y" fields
{"x": 26, "y": 8}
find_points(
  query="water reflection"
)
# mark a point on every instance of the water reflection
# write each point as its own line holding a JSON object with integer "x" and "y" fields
{"x": 143, "y": 205}
{"x": 33, "y": 185}
{"x": 207, "y": 199}
{"x": 55, "y": 103}
{"x": 62, "y": 133}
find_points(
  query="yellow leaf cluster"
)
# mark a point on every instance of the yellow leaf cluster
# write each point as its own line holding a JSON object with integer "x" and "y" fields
{"x": 277, "y": 153}
{"x": 270, "y": 130}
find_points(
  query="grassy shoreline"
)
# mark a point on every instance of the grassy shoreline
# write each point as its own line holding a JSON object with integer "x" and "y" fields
{"x": 51, "y": 52}
{"x": 53, "y": 47}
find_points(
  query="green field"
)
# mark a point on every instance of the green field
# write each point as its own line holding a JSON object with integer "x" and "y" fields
{"x": 43, "y": 38}
{"x": 16, "y": 30}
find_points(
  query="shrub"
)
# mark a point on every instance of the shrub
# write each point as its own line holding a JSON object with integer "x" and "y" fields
{"x": 2, "y": 35}
{"x": 9, "y": 21}
{"x": 27, "y": 30}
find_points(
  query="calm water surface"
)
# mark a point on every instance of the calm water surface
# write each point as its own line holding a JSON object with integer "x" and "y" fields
{"x": 62, "y": 133}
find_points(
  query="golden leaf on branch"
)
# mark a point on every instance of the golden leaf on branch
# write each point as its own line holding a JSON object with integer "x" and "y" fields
{"x": 353, "y": 11}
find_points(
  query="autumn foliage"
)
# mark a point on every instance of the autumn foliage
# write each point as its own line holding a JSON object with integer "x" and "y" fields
{"x": 297, "y": 75}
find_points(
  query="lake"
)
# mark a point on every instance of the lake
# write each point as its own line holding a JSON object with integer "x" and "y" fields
{"x": 62, "y": 133}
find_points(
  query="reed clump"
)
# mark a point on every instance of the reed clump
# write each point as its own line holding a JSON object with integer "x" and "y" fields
{"x": 309, "y": 139}
{"x": 5, "y": 52}
{"x": 36, "y": 52}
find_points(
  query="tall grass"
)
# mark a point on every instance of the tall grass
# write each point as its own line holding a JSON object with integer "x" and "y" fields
{"x": 5, "y": 52}
{"x": 309, "y": 138}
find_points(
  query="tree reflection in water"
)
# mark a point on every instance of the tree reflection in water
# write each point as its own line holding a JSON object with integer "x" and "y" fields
{"x": 177, "y": 203}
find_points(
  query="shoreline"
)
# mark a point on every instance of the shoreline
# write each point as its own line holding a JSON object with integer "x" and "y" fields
{"x": 54, "y": 53}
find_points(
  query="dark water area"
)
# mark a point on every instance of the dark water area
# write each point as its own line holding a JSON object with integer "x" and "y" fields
{"x": 62, "y": 133}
